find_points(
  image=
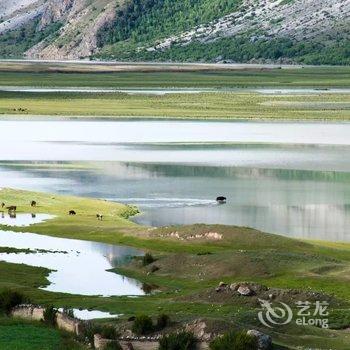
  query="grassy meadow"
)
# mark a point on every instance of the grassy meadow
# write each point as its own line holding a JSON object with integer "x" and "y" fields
{"x": 20, "y": 335}
{"x": 187, "y": 290}
{"x": 226, "y": 105}
{"x": 165, "y": 76}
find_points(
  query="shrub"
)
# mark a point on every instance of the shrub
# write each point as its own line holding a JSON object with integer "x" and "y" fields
{"x": 234, "y": 340}
{"x": 88, "y": 333}
{"x": 113, "y": 346}
{"x": 9, "y": 299}
{"x": 142, "y": 325}
{"x": 162, "y": 321}
{"x": 90, "y": 329}
{"x": 108, "y": 332}
{"x": 147, "y": 259}
{"x": 50, "y": 315}
{"x": 178, "y": 341}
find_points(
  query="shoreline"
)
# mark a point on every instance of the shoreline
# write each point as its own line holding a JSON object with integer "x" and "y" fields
{"x": 95, "y": 118}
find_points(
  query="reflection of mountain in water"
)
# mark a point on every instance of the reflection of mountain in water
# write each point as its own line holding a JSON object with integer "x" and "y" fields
{"x": 234, "y": 172}
{"x": 313, "y": 204}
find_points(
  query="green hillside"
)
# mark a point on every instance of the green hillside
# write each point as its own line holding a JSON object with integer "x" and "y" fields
{"x": 148, "y": 20}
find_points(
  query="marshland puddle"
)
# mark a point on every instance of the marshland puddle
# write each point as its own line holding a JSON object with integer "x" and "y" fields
{"x": 76, "y": 267}
{"x": 23, "y": 219}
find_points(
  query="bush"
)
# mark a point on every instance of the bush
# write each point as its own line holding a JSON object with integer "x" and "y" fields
{"x": 162, "y": 321}
{"x": 148, "y": 259}
{"x": 9, "y": 299}
{"x": 234, "y": 340}
{"x": 142, "y": 325}
{"x": 108, "y": 332}
{"x": 113, "y": 346}
{"x": 178, "y": 341}
{"x": 90, "y": 329}
{"x": 50, "y": 315}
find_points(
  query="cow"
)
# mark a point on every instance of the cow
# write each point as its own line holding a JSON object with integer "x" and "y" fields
{"x": 12, "y": 208}
{"x": 72, "y": 212}
{"x": 99, "y": 217}
{"x": 221, "y": 199}
{"x": 33, "y": 203}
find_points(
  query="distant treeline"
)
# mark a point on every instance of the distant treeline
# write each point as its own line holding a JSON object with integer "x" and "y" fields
{"x": 145, "y": 20}
{"x": 242, "y": 49}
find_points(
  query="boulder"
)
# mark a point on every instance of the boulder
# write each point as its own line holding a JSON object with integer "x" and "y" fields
{"x": 200, "y": 330}
{"x": 264, "y": 340}
{"x": 234, "y": 287}
{"x": 245, "y": 290}
{"x": 222, "y": 286}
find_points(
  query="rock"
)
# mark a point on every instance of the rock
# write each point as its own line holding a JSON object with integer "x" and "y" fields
{"x": 199, "y": 329}
{"x": 245, "y": 290}
{"x": 222, "y": 287}
{"x": 234, "y": 287}
{"x": 264, "y": 340}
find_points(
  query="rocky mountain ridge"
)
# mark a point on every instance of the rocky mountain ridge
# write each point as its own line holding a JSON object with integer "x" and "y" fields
{"x": 70, "y": 29}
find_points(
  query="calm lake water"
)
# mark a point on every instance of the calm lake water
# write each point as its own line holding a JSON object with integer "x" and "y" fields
{"x": 286, "y": 178}
{"x": 71, "y": 262}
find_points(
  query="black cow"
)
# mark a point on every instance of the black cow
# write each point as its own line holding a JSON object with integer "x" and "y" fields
{"x": 221, "y": 199}
{"x": 12, "y": 208}
{"x": 72, "y": 212}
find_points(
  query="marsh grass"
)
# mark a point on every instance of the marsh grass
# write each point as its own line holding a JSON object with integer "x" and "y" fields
{"x": 224, "y": 105}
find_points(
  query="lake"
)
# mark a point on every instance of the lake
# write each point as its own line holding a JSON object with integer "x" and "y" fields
{"x": 70, "y": 262}
{"x": 287, "y": 178}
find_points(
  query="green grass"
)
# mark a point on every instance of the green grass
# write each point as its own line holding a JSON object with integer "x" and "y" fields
{"x": 21, "y": 335}
{"x": 242, "y": 254}
{"x": 183, "y": 106}
{"x": 35, "y": 74}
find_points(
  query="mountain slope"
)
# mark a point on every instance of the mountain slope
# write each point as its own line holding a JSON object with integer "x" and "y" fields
{"x": 308, "y": 31}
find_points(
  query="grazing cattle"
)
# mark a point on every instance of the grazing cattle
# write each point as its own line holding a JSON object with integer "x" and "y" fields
{"x": 11, "y": 208}
{"x": 72, "y": 212}
{"x": 33, "y": 203}
{"x": 99, "y": 217}
{"x": 2, "y": 204}
{"x": 221, "y": 199}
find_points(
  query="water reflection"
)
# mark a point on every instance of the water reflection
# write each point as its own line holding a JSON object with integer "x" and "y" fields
{"x": 91, "y": 314}
{"x": 22, "y": 219}
{"x": 78, "y": 267}
{"x": 298, "y": 203}
{"x": 201, "y": 142}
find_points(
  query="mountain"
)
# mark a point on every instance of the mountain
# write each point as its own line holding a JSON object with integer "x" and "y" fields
{"x": 288, "y": 31}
